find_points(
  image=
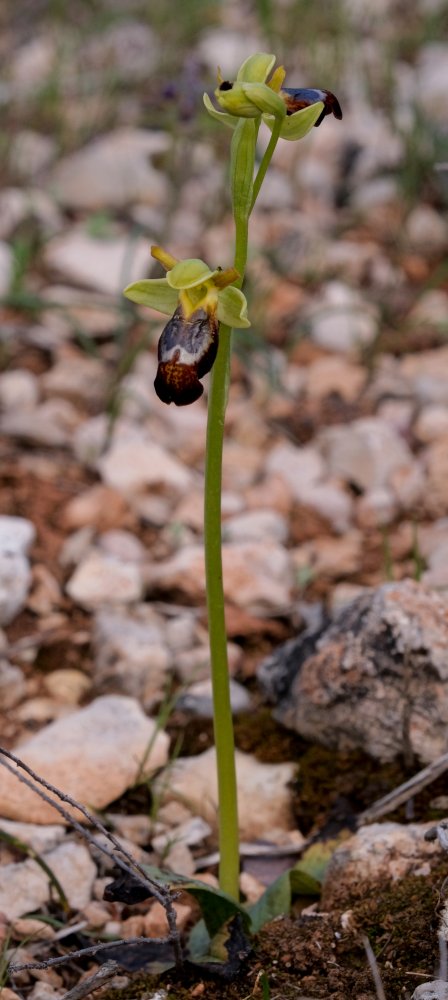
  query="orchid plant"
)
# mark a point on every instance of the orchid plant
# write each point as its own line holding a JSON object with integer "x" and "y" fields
{"x": 205, "y": 304}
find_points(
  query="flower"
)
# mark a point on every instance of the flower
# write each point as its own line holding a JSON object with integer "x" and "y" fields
{"x": 250, "y": 96}
{"x": 198, "y": 300}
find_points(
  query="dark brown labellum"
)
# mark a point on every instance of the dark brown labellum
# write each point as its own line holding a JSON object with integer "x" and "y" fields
{"x": 186, "y": 352}
{"x": 298, "y": 98}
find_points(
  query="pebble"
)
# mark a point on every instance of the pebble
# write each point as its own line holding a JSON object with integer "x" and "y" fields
{"x": 12, "y": 685}
{"x": 426, "y": 230}
{"x": 17, "y": 535}
{"x": 96, "y": 263}
{"x": 98, "y": 507}
{"x": 24, "y": 888}
{"x": 50, "y": 425}
{"x": 100, "y": 748}
{"x": 263, "y": 791}
{"x": 113, "y": 171}
{"x": 256, "y": 525}
{"x": 301, "y": 468}
{"x": 431, "y": 80}
{"x": 132, "y": 466}
{"x": 38, "y": 838}
{"x": 256, "y": 576}
{"x": 342, "y": 321}
{"x": 15, "y": 580}
{"x": 130, "y": 653}
{"x": 198, "y": 699}
{"x": 101, "y": 580}
{"x": 436, "y": 990}
{"x": 67, "y": 685}
{"x": 77, "y": 378}
{"x": 72, "y": 865}
{"x": 19, "y": 389}
{"x": 365, "y": 453}
{"x": 431, "y": 424}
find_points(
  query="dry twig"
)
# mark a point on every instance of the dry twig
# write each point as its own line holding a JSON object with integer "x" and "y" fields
{"x": 92, "y": 983}
{"x": 405, "y": 791}
{"x": 130, "y": 865}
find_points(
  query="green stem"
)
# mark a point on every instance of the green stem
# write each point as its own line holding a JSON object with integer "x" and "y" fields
{"x": 243, "y": 202}
{"x": 222, "y": 711}
{"x": 267, "y": 157}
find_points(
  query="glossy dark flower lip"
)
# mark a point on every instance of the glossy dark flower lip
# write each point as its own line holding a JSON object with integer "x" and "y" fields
{"x": 298, "y": 98}
{"x": 186, "y": 352}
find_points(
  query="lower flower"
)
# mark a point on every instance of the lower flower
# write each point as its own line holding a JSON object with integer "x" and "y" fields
{"x": 186, "y": 352}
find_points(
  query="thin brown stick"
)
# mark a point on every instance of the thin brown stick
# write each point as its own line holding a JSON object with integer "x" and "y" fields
{"x": 376, "y": 976}
{"x": 93, "y": 983}
{"x": 49, "y": 963}
{"x": 133, "y": 868}
{"x": 405, "y": 791}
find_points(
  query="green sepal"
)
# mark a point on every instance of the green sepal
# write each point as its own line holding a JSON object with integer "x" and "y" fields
{"x": 256, "y": 68}
{"x": 154, "y": 293}
{"x": 299, "y": 124}
{"x": 264, "y": 99}
{"x": 242, "y": 161}
{"x": 220, "y": 116}
{"x": 232, "y": 308}
{"x": 189, "y": 273}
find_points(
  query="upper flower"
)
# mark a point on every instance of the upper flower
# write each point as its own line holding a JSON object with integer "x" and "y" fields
{"x": 197, "y": 299}
{"x": 250, "y": 96}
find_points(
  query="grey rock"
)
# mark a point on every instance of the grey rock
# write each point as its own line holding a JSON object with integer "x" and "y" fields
{"x": 131, "y": 654}
{"x": 39, "y": 838}
{"x": 31, "y": 153}
{"x": 101, "y": 579}
{"x": 379, "y": 852}
{"x": 12, "y": 685}
{"x": 431, "y": 81}
{"x": 96, "y": 263}
{"x": 376, "y": 678}
{"x": 198, "y": 699}
{"x": 24, "y": 888}
{"x": 113, "y": 171}
{"x": 93, "y": 754}
{"x": 17, "y": 535}
{"x": 51, "y": 424}
{"x": 367, "y": 452}
{"x": 436, "y": 990}
{"x": 19, "y": 389}
{"x": 342, "y": 321}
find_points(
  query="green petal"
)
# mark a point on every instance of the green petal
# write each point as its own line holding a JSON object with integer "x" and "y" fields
{"x": 155, "y": 293}
{"x": 235, "y": 101}
{"x": 188, "y": 273}
{"x": 264, "y": 99}
{"x": 297, "y": 125}
{"x": 232, "y": 308}
{"x": 256, "y": 68}
{"x": 219, "y": 115}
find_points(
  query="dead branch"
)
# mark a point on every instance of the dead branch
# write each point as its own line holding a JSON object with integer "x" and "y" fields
{"x": 92, "y": 983}
{"x": 49, "y": 963}
{"x": 405, "y": 791}
{"x": 130, "y": 866}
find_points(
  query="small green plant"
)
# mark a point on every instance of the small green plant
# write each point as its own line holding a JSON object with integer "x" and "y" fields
{"x": 205, "y": 304}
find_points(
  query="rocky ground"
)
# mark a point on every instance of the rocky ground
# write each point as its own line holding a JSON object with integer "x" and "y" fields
{"x": 335, "y": 485}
